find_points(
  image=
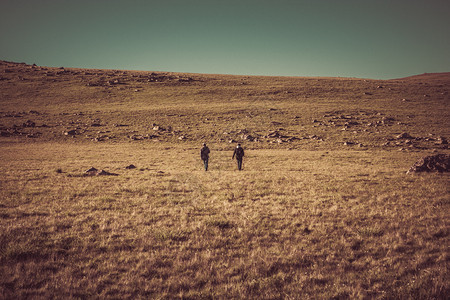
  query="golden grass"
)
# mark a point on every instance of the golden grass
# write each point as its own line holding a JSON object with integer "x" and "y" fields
{"x": 292, "y": 224}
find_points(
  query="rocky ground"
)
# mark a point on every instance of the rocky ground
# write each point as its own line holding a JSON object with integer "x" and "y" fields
{"x": 83, "y": 105}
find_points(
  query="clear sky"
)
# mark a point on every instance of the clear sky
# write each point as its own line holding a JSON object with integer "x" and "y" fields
{"x": 377, "y": 39}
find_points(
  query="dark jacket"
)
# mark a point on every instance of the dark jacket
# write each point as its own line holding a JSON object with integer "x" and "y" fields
{"x": 204, "y": 153}
{"x": 239, "y": 153}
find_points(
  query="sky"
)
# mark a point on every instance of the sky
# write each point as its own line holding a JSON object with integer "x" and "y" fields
{"x": 378, "y": 39}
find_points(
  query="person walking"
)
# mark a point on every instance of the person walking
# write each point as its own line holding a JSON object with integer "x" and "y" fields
{"x": 204, "y": 155}
{"x": 239, "y": 153}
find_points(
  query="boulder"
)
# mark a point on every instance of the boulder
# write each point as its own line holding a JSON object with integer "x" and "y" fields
{"x": 432, "y": 163}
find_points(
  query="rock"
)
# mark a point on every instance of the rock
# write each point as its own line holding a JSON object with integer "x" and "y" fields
{"x": 441, "y": 141}
{"x": 114, "y": 82}
{"x": 432, "y": 163}
{"x": 403, "y": 135}
{"x": 387, "y": 120}
{"x": 91, "y": 172}
{"x": 248, "y": 137}
{"x": 137, "y": 137}
{"x": 95, "y": 172}
{"x": 275, "y": 134}
{"x": 130, "y": 167}
{"x": 29, "y": 123}
{"x": 105, "y": 173}
{"x": 70, "y": 132}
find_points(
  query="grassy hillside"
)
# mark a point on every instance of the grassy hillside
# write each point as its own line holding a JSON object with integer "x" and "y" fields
{"x": 323, "y": 208}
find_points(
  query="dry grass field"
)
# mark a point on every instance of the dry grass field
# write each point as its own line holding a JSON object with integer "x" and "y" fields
{"x": 323, "y": 208}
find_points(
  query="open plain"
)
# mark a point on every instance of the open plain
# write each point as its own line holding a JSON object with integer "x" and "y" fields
{"x": 323, "y": 209}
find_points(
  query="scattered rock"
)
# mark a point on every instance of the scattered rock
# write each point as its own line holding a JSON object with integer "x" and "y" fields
{"x": 105, "y": 173}
{"x": 95, "y": 172}
{"x": 275, "y": 134}
{"x": 432, "y": 163}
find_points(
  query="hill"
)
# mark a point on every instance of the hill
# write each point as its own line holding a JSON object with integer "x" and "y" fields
{"x": 265, "y": 112}
{"x": 103, "y": 193}
{"x": 444, "y": 77}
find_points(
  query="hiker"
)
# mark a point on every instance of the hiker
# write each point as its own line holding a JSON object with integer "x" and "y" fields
{"x": 204, "y": 154}
{"x": 239, "y": 153}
